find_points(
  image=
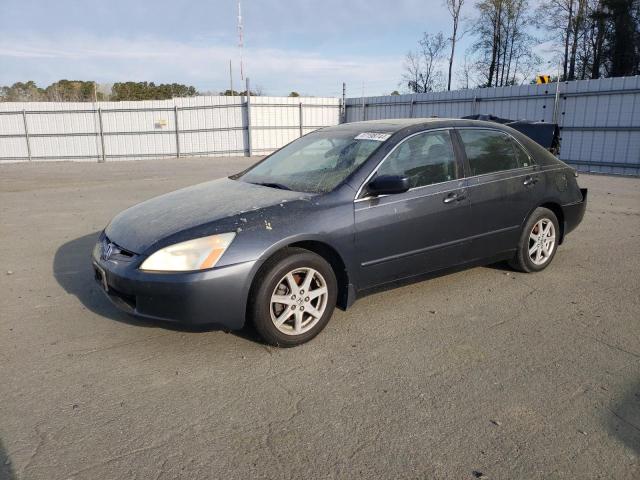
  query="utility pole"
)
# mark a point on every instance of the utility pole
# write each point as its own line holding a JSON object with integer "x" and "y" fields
{"x": 249, "y": 133}
{"x": 231, "y": 77}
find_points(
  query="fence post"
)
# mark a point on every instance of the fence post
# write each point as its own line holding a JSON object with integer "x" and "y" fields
{"x": 300, "y": 116}
{"x": 26, "y": 133}
{"x": 248, "y": 103}
{"x": 364, "y": 112}
{"x": 554, "y": 117}
{"x": 343, "y": 105}
{"x": 104, "y": 157}
{"x": 411, "y": 104}
{"x": 175, "y": 121}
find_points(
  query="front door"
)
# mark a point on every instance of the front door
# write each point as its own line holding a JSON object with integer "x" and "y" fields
{"x": 421, "y": 230}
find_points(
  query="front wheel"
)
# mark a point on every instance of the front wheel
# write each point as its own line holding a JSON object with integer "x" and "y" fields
{"x": 538, "y": 242}
{"x": 294, "y": 297}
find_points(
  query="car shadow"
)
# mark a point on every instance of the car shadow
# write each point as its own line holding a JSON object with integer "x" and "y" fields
{"x": 6, "y": 468}
{"x": 503, "y": 266}
{"x": 73, "y": 271}
{"x": 623, "y": 420}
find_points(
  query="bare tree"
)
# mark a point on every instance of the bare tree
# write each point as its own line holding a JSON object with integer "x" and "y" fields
{"x": 564, "y": 20}
{"x": 422, "y": 68}
{"x": 465, "y": 73}
{"x": 488, "y": 28}
{"x": 503, "y": 45}
{"x": 454, "y": 7}
{"x": 599, "y": 37}
{"x": 577, "y": 31}
{"x": 412, "y": 75}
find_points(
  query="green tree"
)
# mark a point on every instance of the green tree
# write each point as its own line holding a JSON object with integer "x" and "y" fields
{"x": 22, "y": 92}
{"x": 294, "y": 94}
{"x": 150, "y": 91}
{"x": 623, "y": 37}
{"x": 73, "y": 91}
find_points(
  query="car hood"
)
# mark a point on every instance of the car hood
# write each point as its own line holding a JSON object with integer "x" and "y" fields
{"x": 143, "y": 225}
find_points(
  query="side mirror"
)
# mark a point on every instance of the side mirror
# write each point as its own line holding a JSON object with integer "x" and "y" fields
{"x": 388, "y": 185}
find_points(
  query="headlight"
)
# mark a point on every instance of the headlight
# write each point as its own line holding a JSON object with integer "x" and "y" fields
{"x": 198, "y": 254}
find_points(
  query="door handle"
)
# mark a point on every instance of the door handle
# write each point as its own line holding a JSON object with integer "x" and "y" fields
{"x": 529, "y": 180}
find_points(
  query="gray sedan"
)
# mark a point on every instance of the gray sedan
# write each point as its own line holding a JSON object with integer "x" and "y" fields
{"x": 333, "y": 215}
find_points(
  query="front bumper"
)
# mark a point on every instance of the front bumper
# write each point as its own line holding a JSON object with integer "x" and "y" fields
{"x": 574, "y": 213}
{"x": 217, "y": 296}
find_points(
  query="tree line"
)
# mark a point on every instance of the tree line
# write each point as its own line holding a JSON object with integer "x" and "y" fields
{"x": 593, "y": 38}
{"x": 89, "y": 91}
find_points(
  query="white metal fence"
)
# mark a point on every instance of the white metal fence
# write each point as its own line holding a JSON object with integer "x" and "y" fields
{"x": 151, "y": 129}
{"x": 599, "y": 119}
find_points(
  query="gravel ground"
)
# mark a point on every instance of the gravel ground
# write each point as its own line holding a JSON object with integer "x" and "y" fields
{"x": 485, "y": 373}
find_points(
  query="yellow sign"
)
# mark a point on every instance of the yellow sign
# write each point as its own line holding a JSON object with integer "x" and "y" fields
{"x": 540, "y": 79}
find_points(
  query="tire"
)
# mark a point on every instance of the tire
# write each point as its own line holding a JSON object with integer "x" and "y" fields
{"x": 536, "y": 253}
{"x": 300, "y": 316}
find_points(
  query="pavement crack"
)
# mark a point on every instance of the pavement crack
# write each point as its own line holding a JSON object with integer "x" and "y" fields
{"x": 624, "y": 420}
{"x": 115, "y": 458}
{"x": 614, "y": 347}
{"x": 117, "y": 345}
{"x": 35, "y": 451}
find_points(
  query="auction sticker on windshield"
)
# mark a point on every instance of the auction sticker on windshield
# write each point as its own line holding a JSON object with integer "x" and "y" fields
{"x": 379, "y": 137}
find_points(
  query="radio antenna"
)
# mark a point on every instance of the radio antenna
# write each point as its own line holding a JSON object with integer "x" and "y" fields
{"x": 240, "y": 38}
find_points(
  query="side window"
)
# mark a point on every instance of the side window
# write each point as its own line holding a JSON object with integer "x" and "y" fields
{"x": 488, "y": 151}
{"x": 524, "y": 160}
{"x": 426, "y": 159}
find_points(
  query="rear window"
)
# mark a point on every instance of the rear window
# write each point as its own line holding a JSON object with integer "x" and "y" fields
{"x": 490, "y": 151}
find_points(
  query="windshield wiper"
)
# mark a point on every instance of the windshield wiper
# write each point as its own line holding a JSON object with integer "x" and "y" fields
{"x": 272, "y": 185}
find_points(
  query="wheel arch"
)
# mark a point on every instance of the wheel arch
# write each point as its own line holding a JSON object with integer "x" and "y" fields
{"x": 338, "y": 265}
{"x": 346, "y": 290}
{"x": 556, "y": 208}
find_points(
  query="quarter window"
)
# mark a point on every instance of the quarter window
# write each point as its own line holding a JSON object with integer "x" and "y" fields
{"x": 490, "y": 151}
{"x": 426, "y": 158}
{"x": 524, "y": 160}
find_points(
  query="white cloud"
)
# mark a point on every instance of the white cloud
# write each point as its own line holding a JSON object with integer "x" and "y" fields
{"x": 148, "y": 58}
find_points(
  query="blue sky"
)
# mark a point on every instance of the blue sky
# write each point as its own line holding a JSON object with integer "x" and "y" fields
{"x": 303, "y": 45}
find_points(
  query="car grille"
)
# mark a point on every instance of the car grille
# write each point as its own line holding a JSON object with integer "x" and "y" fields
{"x": 112, "y": 251}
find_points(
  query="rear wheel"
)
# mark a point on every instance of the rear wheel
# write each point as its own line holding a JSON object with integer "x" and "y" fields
{"x": 538, "y": 242}
{"x": 294, "y": 297}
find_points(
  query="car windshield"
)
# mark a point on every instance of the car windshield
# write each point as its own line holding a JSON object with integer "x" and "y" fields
{"x": 315, "y": 163}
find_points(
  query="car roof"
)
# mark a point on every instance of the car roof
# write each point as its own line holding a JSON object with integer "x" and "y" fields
{"x": 397, "y": 124}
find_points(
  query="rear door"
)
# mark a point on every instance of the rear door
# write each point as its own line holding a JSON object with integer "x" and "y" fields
{"x": 423, "y": 229}
{"x": 502, "y": 189}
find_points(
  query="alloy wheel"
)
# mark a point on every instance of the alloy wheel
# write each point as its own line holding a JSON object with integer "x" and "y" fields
{"x": 298, "y": 301}
{"x": 542, "y": 241}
